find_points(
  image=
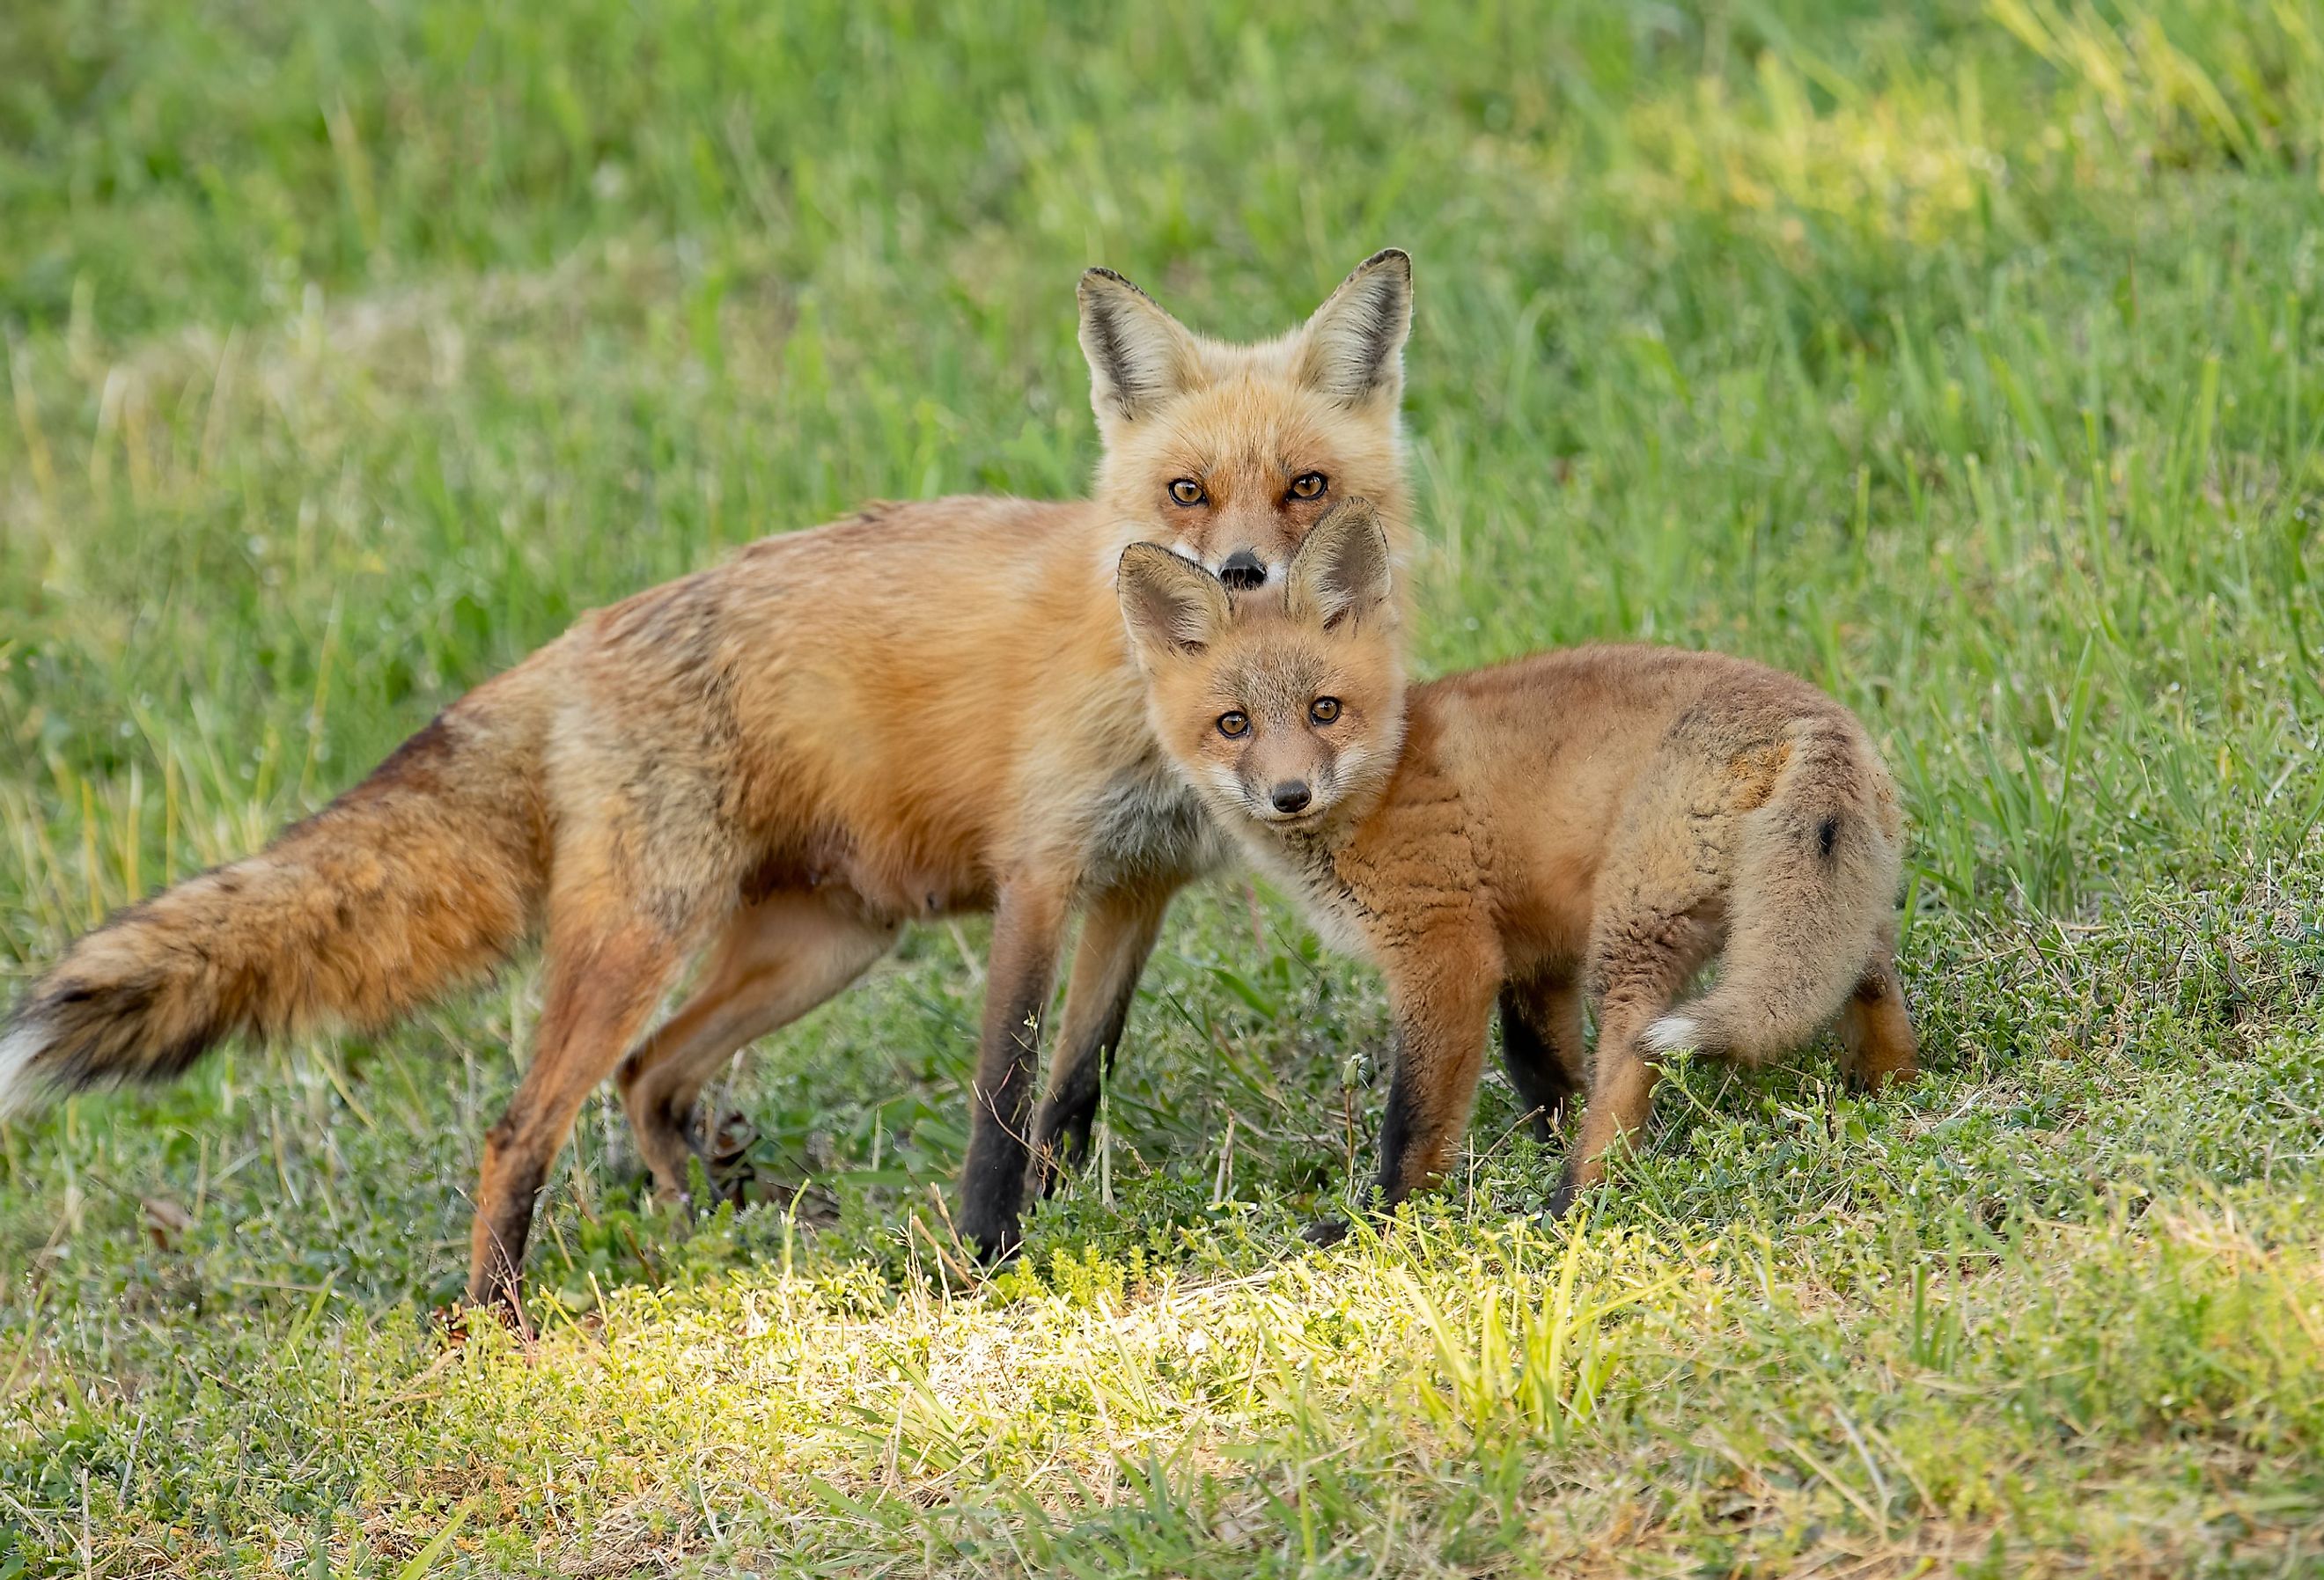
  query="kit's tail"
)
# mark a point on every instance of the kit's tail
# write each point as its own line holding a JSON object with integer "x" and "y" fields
{"x": 1815, "y": 881}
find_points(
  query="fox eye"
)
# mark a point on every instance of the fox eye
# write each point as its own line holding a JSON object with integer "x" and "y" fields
{"x": 1235, "y": 726}
{"x": 1187, "y": 491}
{"x": 1323, "y": 709}
{"x": 1309, "y": 485}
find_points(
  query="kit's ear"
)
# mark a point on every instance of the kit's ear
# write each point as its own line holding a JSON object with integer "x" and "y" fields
{"x": 1352, "y": 350}
{"x": 1139, "y": 356}
{"x": 1342, "y": 570}
{"x": 1171, "y": 606}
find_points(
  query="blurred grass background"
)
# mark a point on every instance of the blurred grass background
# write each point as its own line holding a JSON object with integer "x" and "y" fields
{"x": 1961, "y": 357}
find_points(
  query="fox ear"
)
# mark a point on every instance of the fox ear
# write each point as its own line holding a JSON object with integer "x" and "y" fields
{"x": 1137, "y": 353}
{"x": 1171, "y": 606}
{"x": 1352, "y": 350}
{"x": 1342, "y": 570}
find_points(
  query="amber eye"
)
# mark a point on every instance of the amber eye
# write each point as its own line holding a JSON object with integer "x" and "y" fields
{"x": 1235, "y": 726}
{"x": 1323, "y": 709}
{"x": 1309, "y": 485}
{"x": 1187, "y": 491}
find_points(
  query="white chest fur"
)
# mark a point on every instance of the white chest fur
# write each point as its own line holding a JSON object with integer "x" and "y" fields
{"x": 1304, "y": 869}
{"x": 1149, "y": 825}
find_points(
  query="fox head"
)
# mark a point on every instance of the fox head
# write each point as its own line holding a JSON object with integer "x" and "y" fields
{"x": 1229, "y": 455}
{"x": 1280, "y": 706}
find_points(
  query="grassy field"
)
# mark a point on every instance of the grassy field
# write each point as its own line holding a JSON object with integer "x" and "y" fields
{"x": 1965, "y": 361}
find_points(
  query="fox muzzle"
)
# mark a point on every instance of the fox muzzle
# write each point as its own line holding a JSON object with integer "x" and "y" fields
{"x": 1242, "y": 571}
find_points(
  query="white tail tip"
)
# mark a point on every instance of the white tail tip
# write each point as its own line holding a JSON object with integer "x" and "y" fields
{"x": 18, "y": 1045}
{"x": 1671, "y": 1033}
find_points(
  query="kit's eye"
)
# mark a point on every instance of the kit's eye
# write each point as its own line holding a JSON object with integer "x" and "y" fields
{"x": 1309, "y": 485}
{"x": 1187, "y": 491}
{"x": 1235, "y": 726}
{"x": 1323, "y": 709}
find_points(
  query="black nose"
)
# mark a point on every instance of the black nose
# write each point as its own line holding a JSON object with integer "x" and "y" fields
{"x": 1243, "y": 570}
{"x": 1291, "y": 796}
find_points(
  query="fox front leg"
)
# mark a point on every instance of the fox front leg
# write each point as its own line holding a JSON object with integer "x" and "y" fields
{"x": 1028, "y": 930}
{"x": 1117, "y": 936}
{"x": 1442, "y": 1010}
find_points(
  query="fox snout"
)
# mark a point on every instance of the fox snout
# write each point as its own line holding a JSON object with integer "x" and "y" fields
{"x": 1287, "y": 791}
{"x": 1243, "y": 572}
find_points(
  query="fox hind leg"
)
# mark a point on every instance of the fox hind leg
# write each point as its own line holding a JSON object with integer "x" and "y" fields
{"x": 777, "y": 960}
{"x": 1875, "y": 1034}
{"x": 632, "y": 889}
{"x": 1640, "y": 962}
{"x": 602, "y": 985}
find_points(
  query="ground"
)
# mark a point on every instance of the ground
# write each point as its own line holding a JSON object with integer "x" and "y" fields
{"x": 1963, "y": 360}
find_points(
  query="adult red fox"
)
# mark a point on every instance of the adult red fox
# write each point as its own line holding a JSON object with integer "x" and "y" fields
{"x": 1600, "y": 821}
{"x": 921, "y": 710}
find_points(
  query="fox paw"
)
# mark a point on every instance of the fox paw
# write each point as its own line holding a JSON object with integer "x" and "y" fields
{"x": 724, "y": 1146}
{"x": 460, "y": 1320}
{"x": 1325, "y": 1231}
{"x": 1560, "y": 1200}
{"x": 994, "y": 1243}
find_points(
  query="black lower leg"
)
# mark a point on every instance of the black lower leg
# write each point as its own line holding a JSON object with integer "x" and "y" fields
{"x": 1397, "y": 1128}
{"x": 1561, "y": 1199}
{"x": 1537, "y": 1070}
{"x": 1388, "y": 1187}
{"x": 1069, "y": 1115}
{"x": 720, "y": 1143}
{"x": 499, "y": 1275}
{"x": 993, "y": 1182}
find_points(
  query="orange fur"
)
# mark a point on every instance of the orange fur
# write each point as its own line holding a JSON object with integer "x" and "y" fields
{"x": 921, "y": 710}
{"x": 1607, "y": 819}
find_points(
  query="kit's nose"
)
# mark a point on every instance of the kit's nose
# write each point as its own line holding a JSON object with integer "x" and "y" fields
{"x": 1291, "y": 796}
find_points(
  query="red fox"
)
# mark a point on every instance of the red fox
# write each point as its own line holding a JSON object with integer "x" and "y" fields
{"x": 921, "y": 710}
{"x": 1603, "y": 822}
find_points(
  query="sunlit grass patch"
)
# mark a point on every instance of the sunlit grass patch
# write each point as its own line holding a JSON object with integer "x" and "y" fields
{"x": 1507, "y": 1389}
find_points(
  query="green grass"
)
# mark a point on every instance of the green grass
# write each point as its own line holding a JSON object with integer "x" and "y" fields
{"x": 1965, "y": 361}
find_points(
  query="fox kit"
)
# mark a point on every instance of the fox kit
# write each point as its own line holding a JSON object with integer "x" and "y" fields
{"x": 1600, "y": 822}
{"x": 923, "y": 710}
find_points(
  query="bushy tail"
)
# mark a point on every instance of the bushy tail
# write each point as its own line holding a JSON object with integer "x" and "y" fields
{"x": 427, "y": 872}
{"x": 1816, "y": 879}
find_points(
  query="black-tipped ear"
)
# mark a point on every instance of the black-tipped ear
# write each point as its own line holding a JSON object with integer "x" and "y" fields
{"x": 1342, "y": 569}
{"x": 1171, "y": 606}
{"x": 1352, "y": 350}
{"x": 1137, "y": 353}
